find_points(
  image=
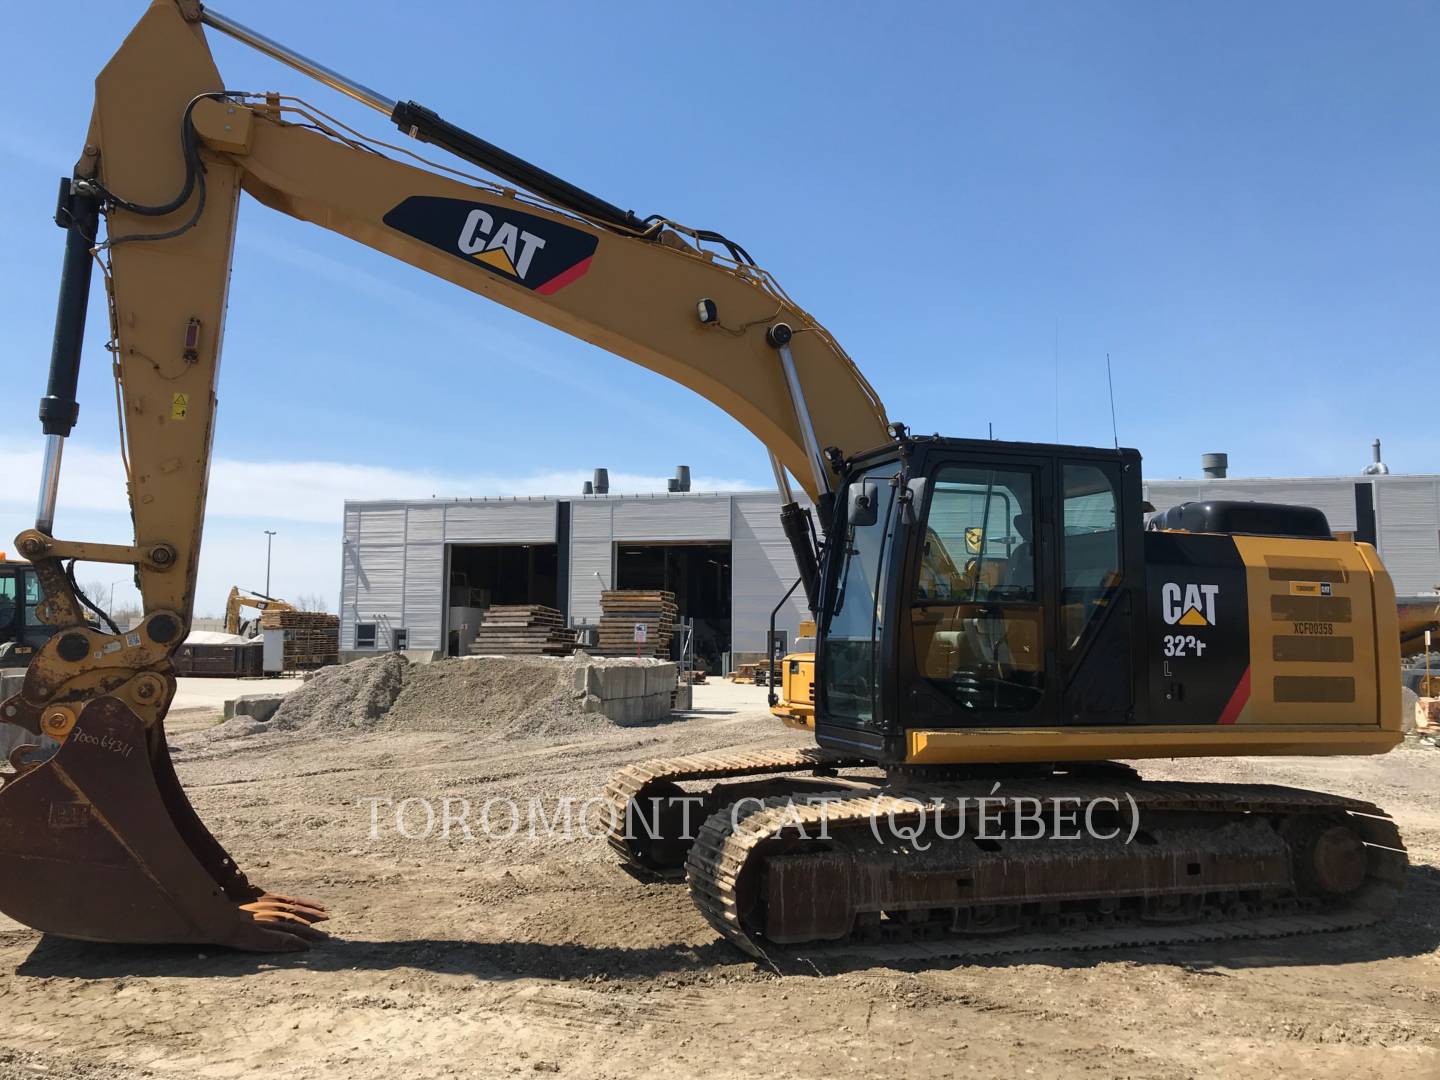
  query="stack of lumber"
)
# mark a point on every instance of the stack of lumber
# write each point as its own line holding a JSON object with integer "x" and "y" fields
{"x": 523, "y": 630}
{"x": 312, "y": 638}
{"x": 622, "y": 609}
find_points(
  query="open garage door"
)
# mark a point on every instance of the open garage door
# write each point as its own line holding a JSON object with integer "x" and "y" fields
{"x": 486, "y": 574}
{"x": 699, "y": 576}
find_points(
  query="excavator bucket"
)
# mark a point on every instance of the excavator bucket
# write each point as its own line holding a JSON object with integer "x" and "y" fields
{"x": 100, "y": 843}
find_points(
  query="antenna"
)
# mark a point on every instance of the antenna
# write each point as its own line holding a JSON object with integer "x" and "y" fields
{"x": 1114, "y": 428}
{"x": 1057, "y": 378}
{"x": 992, "y": 430}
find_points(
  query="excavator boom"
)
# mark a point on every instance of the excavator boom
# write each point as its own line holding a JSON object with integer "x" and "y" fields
{"x": 169, "y": 150}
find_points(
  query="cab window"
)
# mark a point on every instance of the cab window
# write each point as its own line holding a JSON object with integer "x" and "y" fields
{"x": 976, "y": 612}
{"x": 856, "y": 616}
{"x": 1090, "y": 551}
{"x": 7, "y": 599}
{"x": 33, "y": 596}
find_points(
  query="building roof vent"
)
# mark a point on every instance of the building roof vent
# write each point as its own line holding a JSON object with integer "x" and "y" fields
{"x": 588, "y": 489}
{"x": 1376, "y": 466}
{"x": 602, "y": 482}
{"x": 682, "y": 478}
{"x": 1214, "y": 466}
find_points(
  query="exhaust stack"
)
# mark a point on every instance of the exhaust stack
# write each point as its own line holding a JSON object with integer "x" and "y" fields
{"x": 1376, "y": 466}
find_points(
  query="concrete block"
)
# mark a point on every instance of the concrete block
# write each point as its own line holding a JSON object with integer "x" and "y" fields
{"x": 259, "y": 707}
{"x": 638, "y": 710}
{"x": 661, "y": 678}
{"x": 586, "y": 680}
{"x": 617, "y": 681}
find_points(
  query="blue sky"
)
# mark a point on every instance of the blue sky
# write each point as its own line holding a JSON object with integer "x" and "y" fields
{"x": 1235, "y": 200}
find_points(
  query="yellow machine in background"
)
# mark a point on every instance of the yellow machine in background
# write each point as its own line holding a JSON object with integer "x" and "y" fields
{"x": 239, "y": 599}
{"x": 794, "y": 705}
{"x": 21, "y": 631}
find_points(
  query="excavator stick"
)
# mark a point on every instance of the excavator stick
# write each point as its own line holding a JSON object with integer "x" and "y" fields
{"x": 97, "y": 840}
{"x": 100, "y": 843}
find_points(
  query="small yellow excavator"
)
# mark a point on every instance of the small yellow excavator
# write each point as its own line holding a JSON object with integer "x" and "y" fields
{"x": 990, "y": 616}
{"x": 240, "y": 599}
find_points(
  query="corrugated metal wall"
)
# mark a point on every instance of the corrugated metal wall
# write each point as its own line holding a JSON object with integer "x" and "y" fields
{"x": 393, "y": 571}
{"x": 349, "y": 572}
{"x": 1407, "y": 517}
{"x": 394, "y": 566}
{"x": 592, "y": 557}
{"x": 528, "y": 522}
{"x": 673, "y": 520}
{"x": 763, "y": 567}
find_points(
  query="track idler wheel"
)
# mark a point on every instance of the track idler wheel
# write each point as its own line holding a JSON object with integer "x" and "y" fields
{"x": 1328, "y": 857}
{"x": 99, "y": 843}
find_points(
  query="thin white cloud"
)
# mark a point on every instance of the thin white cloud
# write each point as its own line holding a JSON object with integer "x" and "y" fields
{"x": 304, "y": 500}
{"x": 307, "y": 491}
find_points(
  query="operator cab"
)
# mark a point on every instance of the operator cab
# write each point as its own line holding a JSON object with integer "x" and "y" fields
{"x": 974, "y": 582}
{"x": 21, "y": 631}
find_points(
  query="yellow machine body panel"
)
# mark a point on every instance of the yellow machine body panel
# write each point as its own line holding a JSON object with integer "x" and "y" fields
{"x": 796, "y": 707}
{"x": 1322, "y": 675}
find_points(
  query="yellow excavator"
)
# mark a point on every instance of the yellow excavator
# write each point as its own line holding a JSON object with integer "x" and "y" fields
{"x": 994, "y": 623}
{"x": 240, "y": 599}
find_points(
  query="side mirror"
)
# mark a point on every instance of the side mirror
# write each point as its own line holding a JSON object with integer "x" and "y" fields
{"x": 863, "y": 507}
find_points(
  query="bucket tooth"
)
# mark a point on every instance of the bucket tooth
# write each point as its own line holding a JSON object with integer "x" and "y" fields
{"x": 99, "y": 843}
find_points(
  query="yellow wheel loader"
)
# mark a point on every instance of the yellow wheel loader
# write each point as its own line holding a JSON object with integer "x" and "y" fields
{"x": 995, "y": 625}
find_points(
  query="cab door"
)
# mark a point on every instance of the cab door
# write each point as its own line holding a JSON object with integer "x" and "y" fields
{"x": 851, "y": 667}
{"x": 1097, "y": 543}
{"x": 980, "y": 643}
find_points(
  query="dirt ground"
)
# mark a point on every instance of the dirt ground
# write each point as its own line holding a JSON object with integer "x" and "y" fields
{"x": 506, "y": 956}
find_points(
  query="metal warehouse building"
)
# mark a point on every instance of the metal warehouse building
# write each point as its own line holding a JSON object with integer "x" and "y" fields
{"x": 415, "y": 572}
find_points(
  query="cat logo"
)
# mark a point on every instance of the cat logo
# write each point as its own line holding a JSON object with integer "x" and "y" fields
{"x": 974, "y": 540}
{"x": 507, "y": 248}
{"x": 1188, "y": 605}
{"x": 521, "y": 248}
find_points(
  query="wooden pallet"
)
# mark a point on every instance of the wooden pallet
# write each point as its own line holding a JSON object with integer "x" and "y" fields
{"x": 523, "y": 630}
{"x": 312, "y": 638}
{"x": 622, "y": 609}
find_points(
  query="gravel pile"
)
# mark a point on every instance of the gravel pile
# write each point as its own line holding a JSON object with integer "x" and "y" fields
{"x": 509, "y": 696}
{"x": 344, "y": 698}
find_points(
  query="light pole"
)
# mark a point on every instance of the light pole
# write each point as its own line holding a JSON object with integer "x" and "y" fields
{"x": 110, "y": 610}
{"x": 269, "y": 536}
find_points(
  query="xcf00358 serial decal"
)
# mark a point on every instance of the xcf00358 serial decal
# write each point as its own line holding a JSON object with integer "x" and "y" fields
{"x": 524, "y": 249}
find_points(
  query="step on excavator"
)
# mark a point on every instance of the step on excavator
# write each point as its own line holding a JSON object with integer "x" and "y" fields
{"x": 993, "y": 618}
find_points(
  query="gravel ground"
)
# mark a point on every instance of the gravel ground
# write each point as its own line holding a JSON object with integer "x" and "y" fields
{"x": 495, "y": 955}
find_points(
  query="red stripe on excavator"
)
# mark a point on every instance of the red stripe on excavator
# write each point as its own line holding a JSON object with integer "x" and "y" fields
{"x": 560, "y": 280}
{"x": 1238, "y": 699}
